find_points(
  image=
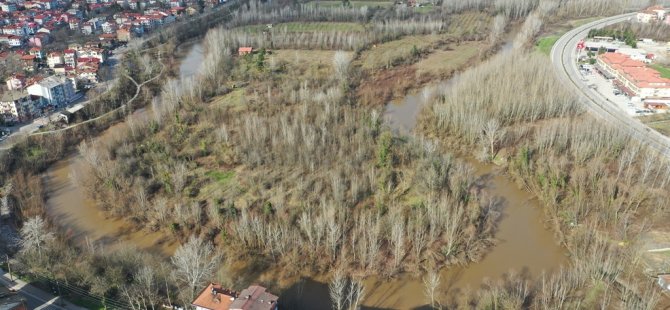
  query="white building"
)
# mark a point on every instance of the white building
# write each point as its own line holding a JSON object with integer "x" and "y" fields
{"x": 8, "y": 7}
{"x": 53, "y": 90}
{"x": 16, "y": 106}
{"x": 55, "y": 59}
{"x": 651, "y": 14}
{"x": 635, "y": 54}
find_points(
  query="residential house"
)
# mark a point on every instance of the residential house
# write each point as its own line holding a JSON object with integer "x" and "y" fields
{"x": 244, "y": 51}
{"x": 40, "y": 39}
{"x": 11, "y": 40}
{"x": 125, "y": 34}
{"x": 16, "y": 106}
{"x": 53, "y": 90}
{"x": 16, "y": 81}
{"x": 92, "y": 52}
{"x": 37, "y": 52}
{"x": 17, "y": 30}
{"x": 74, "y": 23}
{"x": 255, "y": 297}
{"x": 54, "y": 59}
{"x": 651, "y": 14}
{"x": 215, "y": 297}
{"x": 8, "y": 7}
{"x": 70, "y": 58}
{"x": 108, "y": 27}
{"x": 88, "y": 28}
{"x": 29, "y": 62}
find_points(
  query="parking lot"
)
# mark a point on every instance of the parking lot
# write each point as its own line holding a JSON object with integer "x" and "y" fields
{"x": 618, "y": 100}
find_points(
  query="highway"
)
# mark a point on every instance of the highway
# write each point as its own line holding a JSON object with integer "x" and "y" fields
{"x": 564, "y": 59}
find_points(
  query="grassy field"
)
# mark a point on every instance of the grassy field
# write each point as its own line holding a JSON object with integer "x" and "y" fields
{"x": 469, "y": 23}
{"x": 305, "y": 62}
{"x": 356, "y": 4}
{"x": 659, "y": 122}
{"x": 545, "y": 44}
{"x": 306, "y": 27}
{"x": 447, "y": 61}
{"x": 665, "y": 71}
{"x": 383, "y": 55}
{"x": 662, "y": 127}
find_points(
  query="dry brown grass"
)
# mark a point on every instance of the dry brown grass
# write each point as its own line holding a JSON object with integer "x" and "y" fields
{"x": 384, "y": 55}
{"x": 320, "y": 62}
{"x": 445, "y": 62}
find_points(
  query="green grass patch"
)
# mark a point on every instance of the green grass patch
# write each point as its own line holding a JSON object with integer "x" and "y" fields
{"x": 665, "y": 71}
{"x": 386, "y": 54}
{"x": 234, "y": 99}
{"x": 446, "y": 61}
{"x": 545, "y": 44}
{"x": 222, "y": 177}
{"x": 424, "y": 9}
{"x": 306, "y": 27}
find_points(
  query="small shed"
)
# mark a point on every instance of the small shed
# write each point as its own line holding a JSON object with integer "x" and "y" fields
{"x": 65, "y": 116}
{"x": 245, "y": 50}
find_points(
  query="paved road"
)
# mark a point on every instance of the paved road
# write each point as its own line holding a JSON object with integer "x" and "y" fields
{"x": 564, "y": 59}
{"x": 35, "y": 297}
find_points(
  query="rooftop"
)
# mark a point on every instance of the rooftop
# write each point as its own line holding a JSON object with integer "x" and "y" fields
{"x": 215, "y": 297}
{"x": 11, "y": 95}
{"x": 635, "y": 71}
{"x": 254, "y": 298}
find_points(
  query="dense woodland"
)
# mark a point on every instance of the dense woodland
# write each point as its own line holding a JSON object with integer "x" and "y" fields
{"x": 271, "y": 160}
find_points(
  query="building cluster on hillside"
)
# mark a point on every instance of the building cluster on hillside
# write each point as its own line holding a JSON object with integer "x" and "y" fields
{"x": 31, "y": 23}
{"x": 654, "y": 14}
{"x": 636, "y": 79}
{"x": 42, "y": 76}
{"x": 215, "y": 297}
{"x": 37, "y": 96}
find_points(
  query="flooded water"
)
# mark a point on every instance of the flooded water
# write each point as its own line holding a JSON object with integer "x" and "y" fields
{"x": 524, "y": 244}
{"x": 68, "y": 206}
{"x": 192, "y": 62}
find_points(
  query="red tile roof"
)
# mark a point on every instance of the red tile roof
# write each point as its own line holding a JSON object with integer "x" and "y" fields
{"x": 215, "y": 297}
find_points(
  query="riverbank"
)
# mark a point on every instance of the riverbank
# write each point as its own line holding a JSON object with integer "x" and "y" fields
{"x": 73, "y": 211}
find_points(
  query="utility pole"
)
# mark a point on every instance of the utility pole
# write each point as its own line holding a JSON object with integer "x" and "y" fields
{"x": 9, "y": 269}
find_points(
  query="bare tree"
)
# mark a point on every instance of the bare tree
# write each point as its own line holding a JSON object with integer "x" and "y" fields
{"x": 194, "y": 261}
{"x": 179, "y": 175}
{"x": 431, "y": 281}
{"x": 492, "y": 134}
{"x": 356, "y": 293}
{"x": 35, "y": 235}
{"x": 5, "y": 208}
{"x": 341, "y": 62}
{"x": 337, "y": 289}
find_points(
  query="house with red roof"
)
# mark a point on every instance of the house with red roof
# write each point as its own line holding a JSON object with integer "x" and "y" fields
{"x": 244, "y": 50}
{"x": 651, "y": 14}
{"x": 16, "y": 81}
{"x": 11, "y": 40}
{"x": 37, "y": 52}
{"x": 215, "y": 297}
{"x": 634, "y": 77}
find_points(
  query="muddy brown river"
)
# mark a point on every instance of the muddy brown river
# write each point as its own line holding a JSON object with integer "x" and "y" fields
{"x": 68, "y": 206}
{"x": 524, "y": 244}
